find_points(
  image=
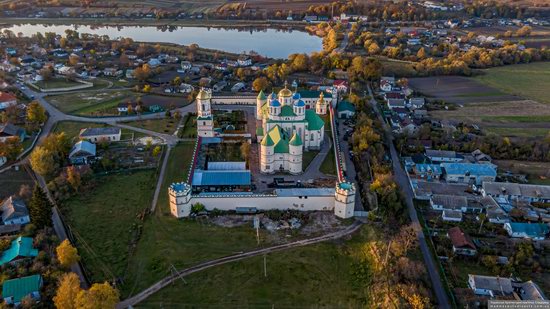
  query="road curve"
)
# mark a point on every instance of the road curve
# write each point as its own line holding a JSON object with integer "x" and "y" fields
{"x": 132, "y": 301}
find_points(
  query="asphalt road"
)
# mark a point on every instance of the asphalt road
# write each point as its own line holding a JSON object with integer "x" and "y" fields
{"x": 403, "y": 182}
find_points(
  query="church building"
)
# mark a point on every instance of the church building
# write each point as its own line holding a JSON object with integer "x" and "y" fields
{"x": 289, "y": 127}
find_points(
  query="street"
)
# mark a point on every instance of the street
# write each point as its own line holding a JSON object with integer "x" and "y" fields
{"x": 403, "y": 182}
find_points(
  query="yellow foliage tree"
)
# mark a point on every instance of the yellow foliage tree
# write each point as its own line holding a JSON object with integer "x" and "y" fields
{"x": 67, "y": 291}
{"x": 67, "y": 254}
{"x": 42, "y": 161}
{"x": 99, "y": 296}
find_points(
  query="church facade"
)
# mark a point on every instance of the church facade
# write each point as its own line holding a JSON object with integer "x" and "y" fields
{"x": 289, "y": 127}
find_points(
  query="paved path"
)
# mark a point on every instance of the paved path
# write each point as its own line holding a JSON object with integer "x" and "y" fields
{"x": 161, "y": 178}
{"x": 403, "y": 182}
{"x": 132, "y": 301}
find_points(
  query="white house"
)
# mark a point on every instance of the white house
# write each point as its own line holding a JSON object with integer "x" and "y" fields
{"x": 451, "y": 215}
{"x": 107, "y": 134}
{"x": 449, "y": 202}
{"x": 490, "y": 286}
{"x": 14, "y": 211}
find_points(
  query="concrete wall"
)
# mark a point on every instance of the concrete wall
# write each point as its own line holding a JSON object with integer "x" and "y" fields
{"x": 261, "y": 202}
{"x": 234, "y": 100}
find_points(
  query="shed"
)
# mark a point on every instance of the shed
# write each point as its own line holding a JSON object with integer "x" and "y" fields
{"x": 14, "y": 290}
{"x": 345, "y": 109}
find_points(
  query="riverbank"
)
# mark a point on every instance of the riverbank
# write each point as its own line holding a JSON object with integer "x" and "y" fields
{"x": 115, "y": 22}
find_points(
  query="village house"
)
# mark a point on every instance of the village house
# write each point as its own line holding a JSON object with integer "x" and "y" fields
{"x": 15, "y": 290}
{"x": 416, "y": 103}
{"x": 341, "y": 85}
{"x": 82, "y": 152}
{"x": 107, "y": 134}
{"x": 535, "y": 231}
{"x": 185, "y": 65}
{"x": 14, "y": 211}
{"x": 469, "y": 173}
{"x": 451, "y": 215}
{"x": 113, "y": 72}
{"x": 462, "y": 244}
{"x": 21, "y": 248}
{"x": 449, "y": 202}
{"x": 517, "y": 192}
{"x": 387, "y": 83}
{"x": 345, "y": 110}
{"x": 428, "y": 171}
{"x": 9, "y": 130}
{"x": 439, "y": 156}
{"x": 490, "y": 286}
{"x": 395, "y": 103}
{"x": 7, "y": 100}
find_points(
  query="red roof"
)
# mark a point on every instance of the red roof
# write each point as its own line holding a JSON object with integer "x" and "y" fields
{"x": 340, "y": 82}
{"x": 459, "y": 239}
{"x": 6, "y": 97}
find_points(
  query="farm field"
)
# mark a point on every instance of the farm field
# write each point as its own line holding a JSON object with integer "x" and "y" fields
{"x": 525, "y": 80}
{"x": 521, "y": 119}
{"x": 458, "y": 90}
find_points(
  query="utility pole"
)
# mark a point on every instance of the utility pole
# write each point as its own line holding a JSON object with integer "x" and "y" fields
{"x": 173, "y": 269}
{"x": 265, "y": 266}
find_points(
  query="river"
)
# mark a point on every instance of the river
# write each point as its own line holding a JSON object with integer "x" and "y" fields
{"x": 272, "y": 43}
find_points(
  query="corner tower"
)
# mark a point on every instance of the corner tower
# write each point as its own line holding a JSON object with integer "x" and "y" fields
{"x": 260, "y": 102}
{"x": 344, "y": 204}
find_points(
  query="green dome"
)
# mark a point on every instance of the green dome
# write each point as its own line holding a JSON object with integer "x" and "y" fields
{"x": 261, "y": 95}
{"x": 295, "y": 140}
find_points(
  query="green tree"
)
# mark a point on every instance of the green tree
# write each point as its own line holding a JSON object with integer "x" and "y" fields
{"x": 40, "y": 208}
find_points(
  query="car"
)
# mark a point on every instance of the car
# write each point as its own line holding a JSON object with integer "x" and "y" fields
{"x": 23, "y": 88}
{"x": 31, "y": 96}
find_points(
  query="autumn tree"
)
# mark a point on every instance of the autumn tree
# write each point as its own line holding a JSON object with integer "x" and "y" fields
{"x": 74, "y": 178}
{"x": 11, "y": 148}
{"x": 67, "y": 254}
{"x": 260, "y": 83}
{"x": 43, "y": 162}
{"x": 36, "y": 115}
{"x": 100, "y": 295}
{"x": 67, "y": 291}
{"x": 40, "y": 208}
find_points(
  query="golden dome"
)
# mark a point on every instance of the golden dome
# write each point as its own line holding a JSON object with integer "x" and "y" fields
{"x": 285, "y": 93}
{"x": 204, "y": 95}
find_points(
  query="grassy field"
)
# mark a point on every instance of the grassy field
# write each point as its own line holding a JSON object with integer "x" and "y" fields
{"x": 328, "y": 166}
{"x": 297, "y": 278}
{"x": 168, "y": 241}
{"x": 161, "y": 125}
{"x": 189, "y": 127}
{"x": 307, "y": 158}
{"x": 91, "y": 103}
{"x": 56, "y": 83}
{"x": 537, "y": 172}
{"x": 106, "y": 221}
{"x": 11, "y": 180}
{"x": 519, "y": 132}
{"x": 525, "y": 80}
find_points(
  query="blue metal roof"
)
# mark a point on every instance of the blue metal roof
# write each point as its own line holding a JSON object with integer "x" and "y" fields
{"x": 221, "y": 178}
{"x": 300, "y": 103}
{"x": 83, "y": 146}
{"x": 469, "y": 168}
{"x": 275, "y": 103}
{"x": 425, "y": 168}
{"x": 531, "y": 229}
{"x": 296, "y": 96}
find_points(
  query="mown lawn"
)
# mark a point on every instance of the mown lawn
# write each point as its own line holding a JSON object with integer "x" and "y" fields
{"x": 316, "y": 276}
{"x": 91, "y": 103}
{"x": 307, "y": 158}
{"x": 526, "y": 80}
{"x": 106, "y": 221}
{"x": 56, "y": 83}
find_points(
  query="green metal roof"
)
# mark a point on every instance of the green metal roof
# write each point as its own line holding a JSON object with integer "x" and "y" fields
{"x": 314, "y": 121}
{"x": 21, "y": 287}
{"x": 296, "y": 140}
{"x": 259, "y": 131}
{"x": 313, "y": 94}
{"x": 20, "y": 247}
{"x": 287, "y": 111}
{"x": 346, "y": 106}
{"x": 279, "y": 138}
{"x": 261, "y": 95}
{"x": 267, "y": 141}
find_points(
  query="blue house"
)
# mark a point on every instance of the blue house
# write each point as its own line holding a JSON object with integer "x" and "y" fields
{"x": 470, "y": 173}
{"x": 21, "y": 248}
{"x": 14, "y": 290}
{"x": 82, "y": 152}
{"x": 535, "y": 231}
